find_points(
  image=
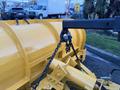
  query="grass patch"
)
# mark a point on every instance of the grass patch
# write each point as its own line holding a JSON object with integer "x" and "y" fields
{"x": 107, "y": 43}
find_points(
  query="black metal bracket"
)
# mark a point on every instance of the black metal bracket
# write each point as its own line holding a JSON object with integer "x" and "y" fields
{"x": 104, "y": 24}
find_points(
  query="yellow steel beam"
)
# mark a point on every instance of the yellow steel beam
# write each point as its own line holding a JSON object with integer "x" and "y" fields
{"x": 78, "y": 77}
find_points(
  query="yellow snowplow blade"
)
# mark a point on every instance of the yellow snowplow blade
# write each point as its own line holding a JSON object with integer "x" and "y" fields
{"x": 25, "y": 49}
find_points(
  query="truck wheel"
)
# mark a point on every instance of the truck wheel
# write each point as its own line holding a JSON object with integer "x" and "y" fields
{"x": 40, "y": 16}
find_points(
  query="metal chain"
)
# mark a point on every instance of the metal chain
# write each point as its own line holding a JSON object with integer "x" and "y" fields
{"x": 65, "y": 37}
{"x": 78, "y": 60}
{"x": 45, "y": 71}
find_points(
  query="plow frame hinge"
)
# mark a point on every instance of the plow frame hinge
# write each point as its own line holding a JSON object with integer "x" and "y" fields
{"x": 53, "y": 80}
{"x": 71, "y": 61}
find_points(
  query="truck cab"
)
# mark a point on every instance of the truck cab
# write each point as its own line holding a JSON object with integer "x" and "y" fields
{"x": 50, "y": 8}
{"x": 40, "y": 11}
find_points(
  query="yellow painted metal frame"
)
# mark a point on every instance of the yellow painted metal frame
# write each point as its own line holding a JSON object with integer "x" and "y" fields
{"x": 35, "y": 61}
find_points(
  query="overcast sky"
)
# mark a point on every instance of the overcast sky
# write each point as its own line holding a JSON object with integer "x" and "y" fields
{"x": 73, "y": 1}
{"x": 14, "y": 0}
{"x": 81, "y": 1}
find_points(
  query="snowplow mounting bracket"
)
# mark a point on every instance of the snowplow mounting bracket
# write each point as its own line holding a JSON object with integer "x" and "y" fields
{"x": 104, "y": 24}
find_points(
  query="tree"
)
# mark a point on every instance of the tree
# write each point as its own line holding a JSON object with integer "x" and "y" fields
{"x": 3, "y": 5}
{"x": 100, "y": 8}
{"x": 88, "y": 8}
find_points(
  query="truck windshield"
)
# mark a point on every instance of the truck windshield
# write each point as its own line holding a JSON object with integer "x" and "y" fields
{"x": 39, "y": 8}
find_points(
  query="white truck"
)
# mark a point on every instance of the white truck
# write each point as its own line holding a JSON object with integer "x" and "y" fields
{"x": 49, "y": 8}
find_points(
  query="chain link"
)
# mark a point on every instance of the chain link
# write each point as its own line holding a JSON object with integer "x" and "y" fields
{"x": 45, "y": 71}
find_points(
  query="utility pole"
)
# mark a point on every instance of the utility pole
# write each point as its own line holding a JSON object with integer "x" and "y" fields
{"x": 67, "y": 7}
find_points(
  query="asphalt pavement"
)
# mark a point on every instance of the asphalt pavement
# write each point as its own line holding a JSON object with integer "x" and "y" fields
{"x": 102, "y": 67}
